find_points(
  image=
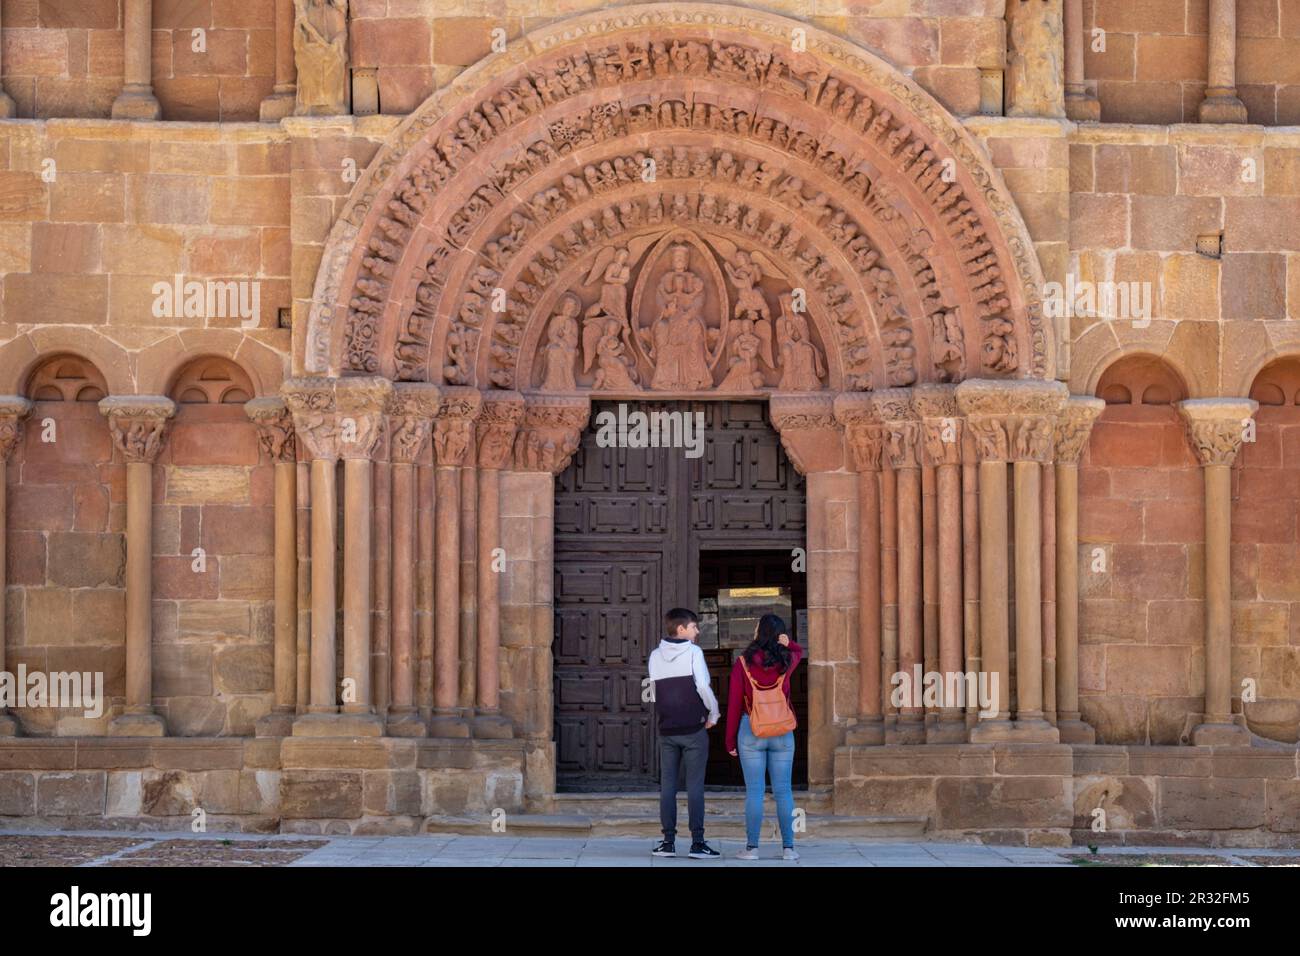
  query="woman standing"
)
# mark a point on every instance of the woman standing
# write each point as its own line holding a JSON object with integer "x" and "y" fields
{"x": 767, "y": 662}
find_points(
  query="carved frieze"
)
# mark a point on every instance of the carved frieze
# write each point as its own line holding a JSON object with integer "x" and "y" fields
{"x": 138, "y": 424}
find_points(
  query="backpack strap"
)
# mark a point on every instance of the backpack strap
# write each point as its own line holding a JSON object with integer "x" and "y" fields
{"x": 755, "y": 684}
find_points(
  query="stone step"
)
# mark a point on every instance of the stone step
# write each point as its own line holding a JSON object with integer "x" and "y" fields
{"x": 729, "y": 826}
{"x": 647, "y": 803}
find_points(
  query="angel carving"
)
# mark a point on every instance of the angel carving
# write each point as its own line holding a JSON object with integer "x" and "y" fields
{"x": 612, "y": 270}
{"x": 561, "y": 346}
{"x": 745, "y": 270}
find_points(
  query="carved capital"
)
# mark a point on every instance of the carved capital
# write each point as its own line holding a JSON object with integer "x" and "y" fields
{"x": 1012, "y": 421}
{"x": 1074, "y": 427}
{"x": 138, "y": 424}
{"x": 863, "y": 432}
{"x": 498, "y": 423}
{"x": 411, "y": 410}
{"x": 810, "y": 432}
{"x": 1216, "y": 427}
{"x": 942, "y": 428}
{"x": 274, "y": 427}
{"x": 550, "y": 432}
{"x": 901, "y": 428}
{"x": 13, "y": 409}
{"x": 311, "y": 403}
{"x": 453, "y": 429}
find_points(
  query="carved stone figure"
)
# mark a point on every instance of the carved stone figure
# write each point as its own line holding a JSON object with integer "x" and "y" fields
{"x": 320, "y": 46}
{"x": 613, "y": 366}
{"x": 801, "y": 362}
{"x": 678, "y": 339}
{"x": 561, "y": 347}
{"x": 614, "y": 274}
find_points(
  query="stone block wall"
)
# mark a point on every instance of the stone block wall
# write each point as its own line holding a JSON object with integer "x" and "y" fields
{"x": 1149, "y": 62}
{"x": 65, "y": 57}
{"x": 1141, "y": 586}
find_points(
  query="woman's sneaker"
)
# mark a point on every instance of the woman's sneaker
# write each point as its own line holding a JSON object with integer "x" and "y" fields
{"x": 665, "y": 848}
{"x": 789, "y": 853}
{"x": 702, "y": 851}
{"x": 748, "y": 853}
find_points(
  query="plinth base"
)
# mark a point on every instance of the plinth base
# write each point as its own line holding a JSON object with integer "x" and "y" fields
{"x": 866, "y": 734}
{"x": 1222, "y": 109}
{"x": 1014, "y": 732}
{"x": 1220, "y": 734}
{"x": 407, "y": 725}
{"x": 276, "y": 107}
{"x": 493, "y": 727}
{"x": 448, "y": 725}
{"x": 338, "y": 725}
{"x": 906, "y": 731}
{"x": 1076, "y": 732}
{"x": 274, "y": 725}
{"x": 137, "y": 725}
{"x": 137, "y": 106}
{"x": 1083, "y": 109}
{"x": 947, "y": 732}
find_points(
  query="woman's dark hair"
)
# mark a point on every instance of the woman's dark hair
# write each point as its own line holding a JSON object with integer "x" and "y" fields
{"x": 770, "y": 627}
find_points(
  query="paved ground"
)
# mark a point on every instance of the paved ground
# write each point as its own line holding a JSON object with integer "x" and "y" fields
{"x": 50, "y": 848}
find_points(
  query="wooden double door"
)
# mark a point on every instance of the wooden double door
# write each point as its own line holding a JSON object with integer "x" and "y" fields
{"x": 631, "y": 524}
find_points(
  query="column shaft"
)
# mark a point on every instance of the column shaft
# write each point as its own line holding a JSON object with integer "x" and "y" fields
{"x": 994, "y": 620}
{"x": 137, "y": 100}
{"x": 930, "y": 572}
{"x": 1079, "y": 103}
{"x": 357, "y": 566}
{"x": 950, "y": 579}
{"x": 910, "y": 650}
{"x": 970, "y": 520}
{"x": 1067, "y": 591}
{"x": 869, "y": 696}
{"x": 426, "y": 510}
{"x": 889, "y": 584}
{"x": 1218, "y": 594}
{"x": 1221, "y": 103}
{"x": 324, "y": 503}
{"x": 286, "y": 586}
{"x": 447, "y": 592}
{"x": 469, "y": 500}
{"x": 1047, "y": 486}
{"x": 1029, "y": 591}
{"x": 403, "y": 656}
{"x": 303, "y": 471}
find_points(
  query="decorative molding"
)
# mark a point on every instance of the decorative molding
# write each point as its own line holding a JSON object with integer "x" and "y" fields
{"x": 275, "y": 430}
{"x": 13, "y": 409}
{"x": 1075, "y": 426}
{"x": 1012, "y": 421}
{"x": 138, "y": 424}
{"x": 1216, "y": 427}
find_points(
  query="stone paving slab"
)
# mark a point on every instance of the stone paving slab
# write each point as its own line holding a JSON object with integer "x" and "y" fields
{"x": 90, "y": 848}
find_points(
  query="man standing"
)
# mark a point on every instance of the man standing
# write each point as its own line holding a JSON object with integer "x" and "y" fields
{"x": 686, "y": 708}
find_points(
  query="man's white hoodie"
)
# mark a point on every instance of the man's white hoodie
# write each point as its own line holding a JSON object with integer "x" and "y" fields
{"x": 679, "y": 687}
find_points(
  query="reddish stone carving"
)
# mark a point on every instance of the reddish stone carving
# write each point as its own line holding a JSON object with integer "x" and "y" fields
{"x": 13, "y": 409}
{"x": 869, "y": 198}
{"x": 138, "y": 424}
{"x": 274, "y": 427}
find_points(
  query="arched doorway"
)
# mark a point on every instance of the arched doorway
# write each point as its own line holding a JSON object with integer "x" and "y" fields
{"x": 715, "y": 523}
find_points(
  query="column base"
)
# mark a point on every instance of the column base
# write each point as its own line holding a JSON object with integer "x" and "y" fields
{"x": 947, "y": 730}
{"x": 1222, "y": 109}
{"x": 408, "y": 724}
{"x": 137, "y": 725}
{"x": 277, "y": 106}
{"x": 1036, "y": 731}
{"x": 909, "y": 730}
{"x": 1075, "y": 731}
{"x": 449, "y": 725}
{"x": 1199, "y": 731}
{"x": 274, "y": 725}
{"x": 493, "y": 727}
{"x": 338, "y": 725}
{"x": 136, "y": 106}
{"x": 1083, "y": 109}
{"x": 866, "y": 733}
{"x": 8, "y": 726}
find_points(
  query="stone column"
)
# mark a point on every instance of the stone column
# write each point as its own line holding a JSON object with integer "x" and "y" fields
{"x": 1072, "y": 431}
{"x": 1221, "y": 103}
{"x": 498, "y": 423}
{"x": 902, "y": 448}
{"x": 453, "y": 431}
{"x": 888, "y": 591}
{"x": 136, "y": 101}
{"x": 1035, "y": 76}
{"x": 548, "y": 437}
{"x": 13, "y": 409}
{"x": 1047, "y": 607}
{"x": 275, "y": 432}
{"x": 1012, "y": 421}
{"x": 1081, "y": 104}
{"x": 8, "y": 110}
{"x": 1216, "y": 428}
{"x": 942, "y": 434}
{"x": 467, "y": 652}
{"x": 138, "y": 425}
{"x": 361, "y": 406}
{"x": 970, "y": 555}
{"x": 866, "y": 441}
{"x": 285, "y": 93}
{"x": 410, "y": 422}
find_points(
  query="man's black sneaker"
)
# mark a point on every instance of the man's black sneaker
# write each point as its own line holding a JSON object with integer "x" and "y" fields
{"x": 665, "y": 848}
{"x": 702, "y": 851}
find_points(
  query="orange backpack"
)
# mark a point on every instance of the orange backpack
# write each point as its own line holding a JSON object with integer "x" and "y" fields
{"x": 769, "y": 714}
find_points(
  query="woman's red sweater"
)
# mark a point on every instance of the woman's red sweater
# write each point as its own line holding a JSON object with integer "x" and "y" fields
{"x": 740, "y": 696}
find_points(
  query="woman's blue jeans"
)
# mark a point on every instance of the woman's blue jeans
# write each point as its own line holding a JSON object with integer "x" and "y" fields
{"x": 774, "y": 757}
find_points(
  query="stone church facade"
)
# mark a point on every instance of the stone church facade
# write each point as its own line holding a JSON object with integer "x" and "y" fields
{"x": 310, "y": 307}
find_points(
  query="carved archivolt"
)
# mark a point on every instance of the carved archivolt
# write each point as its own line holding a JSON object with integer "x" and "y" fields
{"x": 668, "y": 198}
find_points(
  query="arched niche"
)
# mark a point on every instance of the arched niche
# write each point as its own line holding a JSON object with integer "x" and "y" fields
{"x": 65, "y": 378}
{"x": 211, "y": 380}
{"x": 1278, "y": 384}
